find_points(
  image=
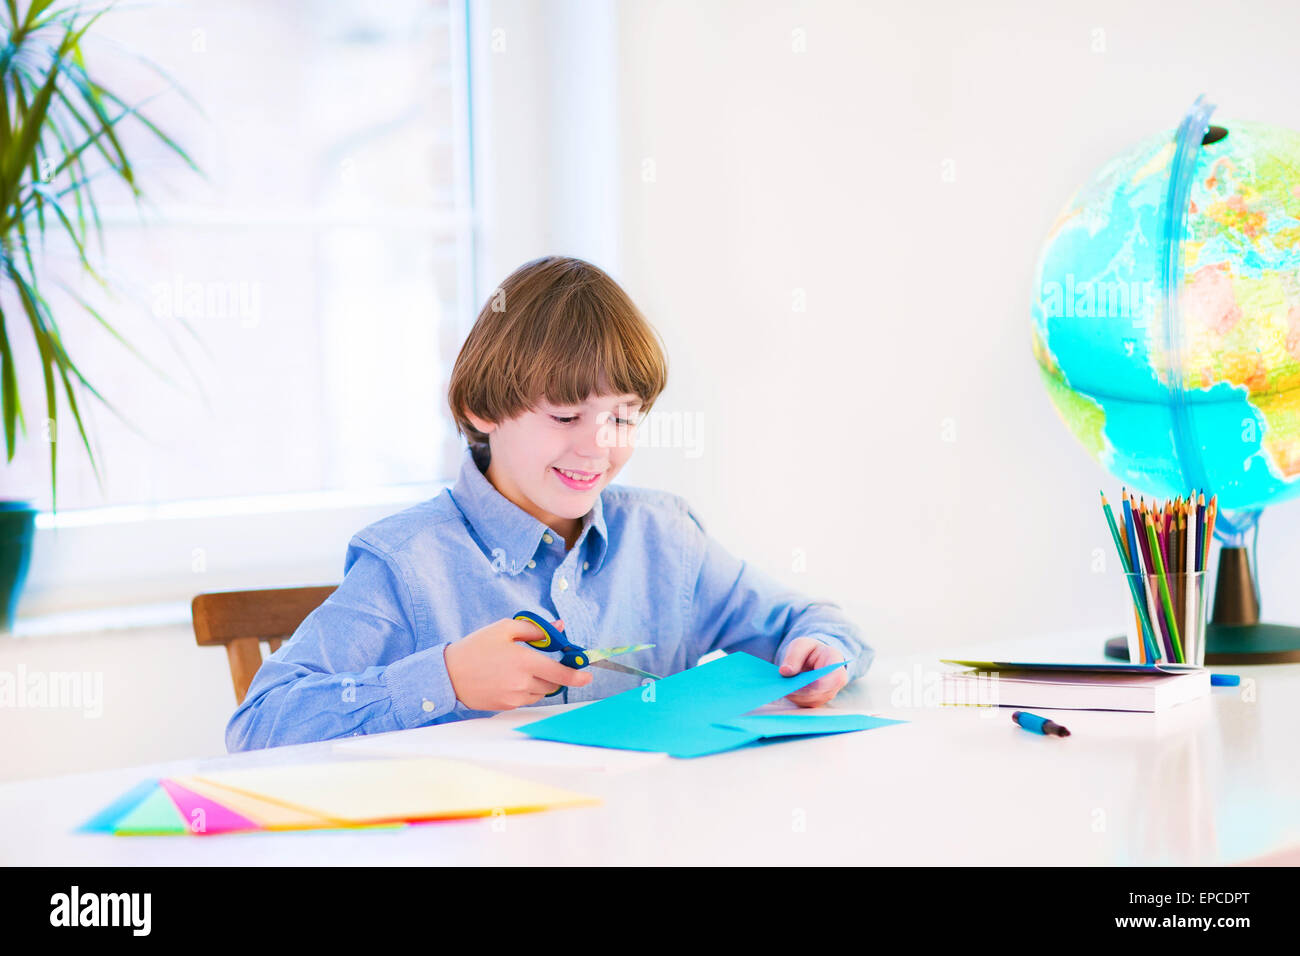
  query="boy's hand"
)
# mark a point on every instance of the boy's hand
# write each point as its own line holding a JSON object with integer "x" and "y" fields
{"x": 808, "y": 654}
{"x": 492, "y": 669}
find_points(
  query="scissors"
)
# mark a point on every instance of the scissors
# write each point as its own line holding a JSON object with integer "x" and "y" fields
{"x": 571, "y": 655}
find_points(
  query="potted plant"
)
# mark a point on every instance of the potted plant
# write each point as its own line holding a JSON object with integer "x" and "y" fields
{"x": 58, "y": 139}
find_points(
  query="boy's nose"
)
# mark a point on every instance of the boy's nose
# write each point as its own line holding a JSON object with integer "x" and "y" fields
{"x": 590, "y": 458}
{"x": 592, "y": 445}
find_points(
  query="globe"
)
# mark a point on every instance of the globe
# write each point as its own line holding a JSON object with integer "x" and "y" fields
{"x": 1166, "y": 326}
{"x": 1201, "y": 388}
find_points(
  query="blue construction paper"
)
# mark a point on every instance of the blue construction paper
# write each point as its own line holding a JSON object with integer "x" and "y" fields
{"x": 105, "y": 821}
{"x": 676, "y": 715}
{"x": 798, "y": 725}
{"x": 693, "y": 740}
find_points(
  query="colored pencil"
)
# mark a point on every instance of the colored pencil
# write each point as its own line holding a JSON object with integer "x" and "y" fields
{"x": 1193, "y": 586}
{"x": 1177, "y": 650}
{"x": 1200, "y": 532}
{"x": 1147, "y": 544}
{"x": 1123, "y": 535}
{"x": 1179, "y": 538}
{"x": 1128, "y": 569}
{"x": 1142, "y": 607}
{"x": 1161, "y": 534}
{"x": 1171, "y": 519}
{"x": 1126, "y": 537}
{"x": 1183, "y": 589}
{"x": 1114, "y": 529}
{"x": 1211, "y": 514}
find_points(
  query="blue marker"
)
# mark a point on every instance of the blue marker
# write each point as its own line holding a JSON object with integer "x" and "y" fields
{"x": 1038, "y": 725}
{"x": 1224, "y": 680}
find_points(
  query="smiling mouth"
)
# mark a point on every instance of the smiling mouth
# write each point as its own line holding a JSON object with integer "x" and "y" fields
{"x": 578, "y": 479}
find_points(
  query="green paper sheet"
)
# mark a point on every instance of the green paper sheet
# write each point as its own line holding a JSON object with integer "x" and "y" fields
{"x": 105, "y": 821}
{"x": 682, "y": 714}
{"x": 155, "y": 815}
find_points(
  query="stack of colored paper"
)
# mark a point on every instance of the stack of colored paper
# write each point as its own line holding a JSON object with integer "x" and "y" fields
{"x": 341, "y": 794}
{"x": 699, "y": 711}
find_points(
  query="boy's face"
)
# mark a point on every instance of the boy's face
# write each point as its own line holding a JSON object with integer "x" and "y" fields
{"x": 532, "y": 453}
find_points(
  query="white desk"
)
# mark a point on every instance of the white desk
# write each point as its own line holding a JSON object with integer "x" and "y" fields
{"x": 1216, "y": 781}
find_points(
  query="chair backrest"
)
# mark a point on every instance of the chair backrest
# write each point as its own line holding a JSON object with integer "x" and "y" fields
{"x": 241, "y": 620}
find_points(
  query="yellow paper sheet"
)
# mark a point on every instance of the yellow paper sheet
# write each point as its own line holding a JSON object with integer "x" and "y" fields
{"x": 353, "y": 792}
{"x": 272, "y": 816}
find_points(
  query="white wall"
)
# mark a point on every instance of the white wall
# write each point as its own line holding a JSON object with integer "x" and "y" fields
{"x": 820, "y": 171}
{"x": 150, "y": 694}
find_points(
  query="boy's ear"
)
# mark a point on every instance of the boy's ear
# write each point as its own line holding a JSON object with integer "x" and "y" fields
{"x": 484, "y": 426}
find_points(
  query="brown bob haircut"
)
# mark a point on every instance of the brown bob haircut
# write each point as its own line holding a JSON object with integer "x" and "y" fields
{"x": 558, "y": 328}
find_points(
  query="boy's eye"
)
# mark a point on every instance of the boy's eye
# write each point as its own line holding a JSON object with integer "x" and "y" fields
{"x": 565, "y": 419}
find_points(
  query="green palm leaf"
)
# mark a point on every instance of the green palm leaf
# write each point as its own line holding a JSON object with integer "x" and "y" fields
{"x": 54, "y": 116}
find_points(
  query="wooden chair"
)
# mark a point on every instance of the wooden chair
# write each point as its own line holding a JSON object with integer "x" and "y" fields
{"x": 241, "y": 620}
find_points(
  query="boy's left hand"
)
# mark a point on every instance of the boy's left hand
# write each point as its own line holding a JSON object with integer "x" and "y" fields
{"x": 808, "y": 654}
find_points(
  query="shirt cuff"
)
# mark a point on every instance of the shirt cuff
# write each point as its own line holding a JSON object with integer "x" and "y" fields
{"x": 420, "y": 687}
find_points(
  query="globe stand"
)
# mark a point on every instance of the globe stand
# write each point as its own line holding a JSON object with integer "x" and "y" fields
{"x": 1235, "y": 634}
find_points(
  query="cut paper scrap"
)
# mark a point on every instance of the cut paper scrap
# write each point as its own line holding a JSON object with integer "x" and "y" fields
{"x": 683, "y": 714}
{"x": 205, "y": 817}
{"x": 106, "y": 819}
{"x": 155, "y": 815}
{"x": 799, "y": 725}
{"x": 354, "y": 792}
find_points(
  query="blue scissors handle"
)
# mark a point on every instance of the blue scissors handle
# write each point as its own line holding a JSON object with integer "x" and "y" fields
{"x": 571, "y": 655}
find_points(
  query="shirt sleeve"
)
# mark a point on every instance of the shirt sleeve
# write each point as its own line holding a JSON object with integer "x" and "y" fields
{"x": 350, "y": 668}
{"x": 737, "y": 607}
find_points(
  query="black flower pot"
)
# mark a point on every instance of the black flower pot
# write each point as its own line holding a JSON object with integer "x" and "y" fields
{"x": 17, "y": 527}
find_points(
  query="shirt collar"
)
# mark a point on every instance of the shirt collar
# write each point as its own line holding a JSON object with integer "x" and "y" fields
{"x": 509, "y": 534}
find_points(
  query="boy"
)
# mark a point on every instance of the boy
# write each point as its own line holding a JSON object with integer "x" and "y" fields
{"x": 547, "y": 389}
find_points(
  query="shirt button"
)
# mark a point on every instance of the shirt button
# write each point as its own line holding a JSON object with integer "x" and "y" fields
{"x": 564, "y": 584}
{"x": 547, "y": 538}
{"x": 532, "y": 564}
{"x": 584, "y": 565}
{"x": 428, "y": 706}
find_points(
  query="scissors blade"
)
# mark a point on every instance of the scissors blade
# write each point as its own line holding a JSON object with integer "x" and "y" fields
{"x": 624, "y": 669}
{"x": 600, "y": 657}
{"x": 605, "y": 653}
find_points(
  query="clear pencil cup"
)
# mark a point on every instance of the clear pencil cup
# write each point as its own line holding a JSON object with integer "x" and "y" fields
{"x": 1166, "y": 620}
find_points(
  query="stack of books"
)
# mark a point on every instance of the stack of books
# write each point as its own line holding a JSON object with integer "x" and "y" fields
{"x": 1073, "y": 686}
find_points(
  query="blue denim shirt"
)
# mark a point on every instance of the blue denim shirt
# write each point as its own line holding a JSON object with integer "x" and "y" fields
{"x": 643, "y": 570}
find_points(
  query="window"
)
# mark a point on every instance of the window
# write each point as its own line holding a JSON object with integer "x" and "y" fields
{"x": 323, "y": 265}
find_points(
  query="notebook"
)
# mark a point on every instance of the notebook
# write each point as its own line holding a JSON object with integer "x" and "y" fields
{"x": 1061, "y": 689}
